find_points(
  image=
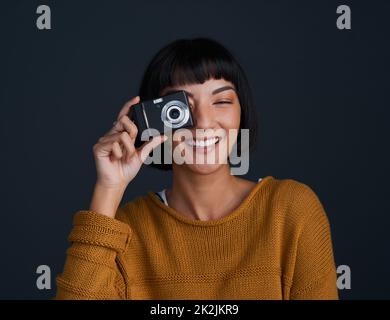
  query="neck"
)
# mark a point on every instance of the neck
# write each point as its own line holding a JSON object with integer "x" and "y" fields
{"x": 204, "y": 196}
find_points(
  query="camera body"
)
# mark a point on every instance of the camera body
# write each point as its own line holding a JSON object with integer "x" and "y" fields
{"x": 170, "y": 112}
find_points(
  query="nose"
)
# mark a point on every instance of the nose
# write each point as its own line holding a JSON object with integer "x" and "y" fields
{"x": 203, "y": 116}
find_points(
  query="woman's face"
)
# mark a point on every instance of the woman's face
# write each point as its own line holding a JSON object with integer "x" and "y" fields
{"x": 216, "y": 113}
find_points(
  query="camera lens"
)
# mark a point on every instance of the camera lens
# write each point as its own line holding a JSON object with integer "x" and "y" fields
{"x": 174, "y": 113}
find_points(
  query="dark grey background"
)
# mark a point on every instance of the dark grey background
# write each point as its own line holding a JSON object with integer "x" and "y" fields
{"x": 321, "y": 95}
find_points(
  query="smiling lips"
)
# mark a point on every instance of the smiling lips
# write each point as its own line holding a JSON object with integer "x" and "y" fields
{"x": 202, "y": 143}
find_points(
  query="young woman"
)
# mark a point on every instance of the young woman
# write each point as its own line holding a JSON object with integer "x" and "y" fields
{"x": 210, "y": 235}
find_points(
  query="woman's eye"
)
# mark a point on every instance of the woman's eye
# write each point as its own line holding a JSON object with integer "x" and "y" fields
{"x": 223, "y": 102}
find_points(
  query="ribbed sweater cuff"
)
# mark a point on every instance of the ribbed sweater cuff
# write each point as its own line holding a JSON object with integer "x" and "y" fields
{"x": 96, "y": 229}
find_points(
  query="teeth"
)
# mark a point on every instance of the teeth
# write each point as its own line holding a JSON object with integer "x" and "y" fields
{"x": 202, "y": 143}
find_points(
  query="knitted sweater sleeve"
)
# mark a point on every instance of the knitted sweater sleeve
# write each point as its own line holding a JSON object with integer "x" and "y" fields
{"x": 314, "y": 271}
{"x": 93, "y": 268}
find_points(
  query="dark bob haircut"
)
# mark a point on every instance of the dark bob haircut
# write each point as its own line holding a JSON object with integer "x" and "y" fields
{"x": 190, "y": 61}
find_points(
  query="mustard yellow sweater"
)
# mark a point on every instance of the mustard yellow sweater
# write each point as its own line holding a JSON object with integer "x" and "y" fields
{"x": 275, "y": 245}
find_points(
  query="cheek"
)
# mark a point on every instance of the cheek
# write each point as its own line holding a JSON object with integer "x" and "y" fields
{"x": 229, "y": 118}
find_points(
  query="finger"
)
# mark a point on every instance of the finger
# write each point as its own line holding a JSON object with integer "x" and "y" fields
{"x": 117, "y": 150}
{"x": 132, "y": 127}
{"x": 124, "y": 140}
{"x": 109, "y": 138}
{"x": 147, "y": 147}
{"x": 125, "y": 109}
{"x": 104, "y": 149}
{"x": 124, "y": 124}
{"x": 128, "y": 145}
{"x": 124, "y": 153}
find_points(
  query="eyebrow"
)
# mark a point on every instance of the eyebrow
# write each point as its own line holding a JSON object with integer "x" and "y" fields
{"x": 213, "y": 93}
{"x": 223, "y": 89}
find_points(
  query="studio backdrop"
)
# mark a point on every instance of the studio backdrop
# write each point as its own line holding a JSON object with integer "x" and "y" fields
{"x": 319, "y": 72}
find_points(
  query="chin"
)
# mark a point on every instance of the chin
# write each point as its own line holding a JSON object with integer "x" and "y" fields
{"x": 203, "y": 169}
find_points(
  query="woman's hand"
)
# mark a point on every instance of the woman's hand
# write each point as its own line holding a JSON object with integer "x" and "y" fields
{"x": 118, "y": 161}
